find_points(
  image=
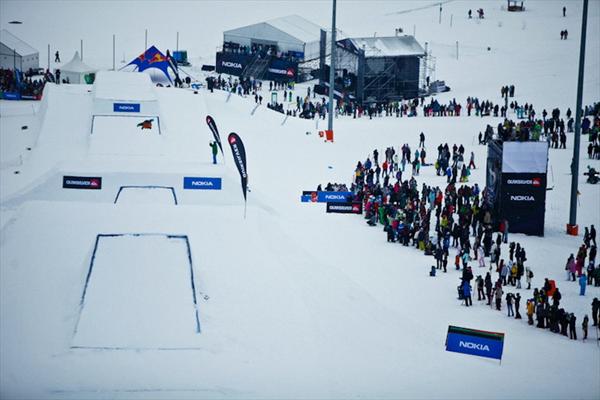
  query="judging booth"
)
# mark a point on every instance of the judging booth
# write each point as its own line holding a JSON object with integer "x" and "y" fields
{"x": 516, "y": 184}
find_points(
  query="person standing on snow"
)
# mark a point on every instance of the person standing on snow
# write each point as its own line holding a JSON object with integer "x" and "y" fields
{"x": 488, "y": 288}
{"x": 595, "y": 311}
{"x": 528, "y": 277}
{"x": 498, "y": 295}
{"x": 572, "y": 329}
{"x": 582, "y": 284}
{"x": 530, "y": 310}
{"x": 215, "y": 150}
{"x": 584, "y": 326}
{"x": 509, "y": 304}
{"x": 466, "y": 288}
{"x": 480, "y": 293}
{"x": 56, "y": 57}
{"x": 517, "y": 304}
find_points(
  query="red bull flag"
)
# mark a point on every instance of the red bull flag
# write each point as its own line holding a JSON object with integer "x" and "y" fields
{"x": 152, "y": 58}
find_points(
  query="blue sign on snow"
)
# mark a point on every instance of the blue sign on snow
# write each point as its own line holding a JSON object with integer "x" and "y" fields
{"x": 474, "y": 345}
{"x": 201, "y": 183}
{"x": 333, "y": 197}
{"x": 126, "y": 107}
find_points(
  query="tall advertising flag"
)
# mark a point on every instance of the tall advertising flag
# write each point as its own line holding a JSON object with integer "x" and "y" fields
{"x": 239, "y": 156}
{"x": 213, "y": 127}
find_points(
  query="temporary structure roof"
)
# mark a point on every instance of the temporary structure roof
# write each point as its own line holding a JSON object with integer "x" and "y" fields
{"x": 77, "y": 66}
{"x": 13, "y": 42}
{"x": 292, "y": 28}
{"x": 391, "y": 46}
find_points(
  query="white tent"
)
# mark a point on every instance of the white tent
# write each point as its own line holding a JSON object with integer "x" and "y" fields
{"x": 290, "y": 33}
{"x": 75, "y": 70}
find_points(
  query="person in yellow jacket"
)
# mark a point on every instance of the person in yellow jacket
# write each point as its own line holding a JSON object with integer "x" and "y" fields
{"x": 530, "y": 310}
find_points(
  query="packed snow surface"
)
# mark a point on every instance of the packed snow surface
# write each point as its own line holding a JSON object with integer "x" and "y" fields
{"x": 291, "y": 302}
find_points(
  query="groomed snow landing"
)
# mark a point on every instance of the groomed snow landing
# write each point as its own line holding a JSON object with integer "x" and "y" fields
{"x": 123, "y": 135}
{"x": 138, "y": 294}
{"x": 146, "y": 195}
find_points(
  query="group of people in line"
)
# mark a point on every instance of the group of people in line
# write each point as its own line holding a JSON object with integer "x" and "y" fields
{"x": 459, "y": 218}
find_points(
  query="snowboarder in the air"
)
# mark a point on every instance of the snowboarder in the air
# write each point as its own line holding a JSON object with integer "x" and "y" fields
{"x": 146, "y": 124}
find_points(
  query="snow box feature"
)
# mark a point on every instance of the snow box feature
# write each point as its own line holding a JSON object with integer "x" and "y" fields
{"x": 146, "y": 195}
{"x": 139, "y": 293}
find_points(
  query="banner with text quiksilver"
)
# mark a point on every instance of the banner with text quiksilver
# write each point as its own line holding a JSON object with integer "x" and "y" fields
{"x": 82, "y": 182}
{"x": 239, "y": 156}
{"x": 213, "y": 127}
{"x": 345, "y": 208}
{"x": 475, "y": 342}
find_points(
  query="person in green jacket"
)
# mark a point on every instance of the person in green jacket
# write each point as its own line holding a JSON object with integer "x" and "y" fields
{"x": 215, "y": 150}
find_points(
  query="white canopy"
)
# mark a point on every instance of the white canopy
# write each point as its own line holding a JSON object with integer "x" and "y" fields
{"x": 76, "y": 69}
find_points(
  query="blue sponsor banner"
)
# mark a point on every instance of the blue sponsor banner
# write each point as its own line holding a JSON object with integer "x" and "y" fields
{"x": 306, "y": 198}
{"x": 126, "y": 107}
{"x": 482, "y": 345}
{"x": 201, "y": 183}
{"x": 333, "y": 197}
{"x": 11, "y": 96}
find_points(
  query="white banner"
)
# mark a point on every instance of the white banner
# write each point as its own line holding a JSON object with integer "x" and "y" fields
{"x": 525, "y": 157}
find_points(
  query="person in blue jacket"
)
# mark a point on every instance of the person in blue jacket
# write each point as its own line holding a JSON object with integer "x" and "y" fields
{"x": 467, "y": 293}
{"x": 582, "y": 284}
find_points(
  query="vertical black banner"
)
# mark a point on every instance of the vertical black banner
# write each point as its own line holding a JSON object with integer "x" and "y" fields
{"x": 213, "y": 127}
{"x": 523, "y": 197}
{"x": 239, "y": 156}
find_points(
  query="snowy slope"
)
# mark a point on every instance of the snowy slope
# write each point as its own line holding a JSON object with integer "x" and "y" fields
{"x": 292, "y": 303}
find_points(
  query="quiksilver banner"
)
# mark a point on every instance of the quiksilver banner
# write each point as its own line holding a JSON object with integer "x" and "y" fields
{"x": 239, "y": 156}
{"x": 344, "y": 208}
{"x": 213, "y": 127}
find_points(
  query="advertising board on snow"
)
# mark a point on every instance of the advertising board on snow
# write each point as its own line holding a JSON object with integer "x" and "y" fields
{"x": 345, "y": 208}
{"x": 82, "y": 182}
{"x": 475, "y": 342}
{"x": 314, "y": 196}
{"x": 201, "y": 183}
{"x": 126, "y": 107}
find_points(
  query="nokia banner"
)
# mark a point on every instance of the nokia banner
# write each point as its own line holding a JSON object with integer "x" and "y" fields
{"x": 231, "y": 63}
{"x": 278, "y": 69}
{"x": 213, "y": 128}
{"x": 201, "y": 183}
{"x": 309, "y": 196}
{"x": 523, "y": 202}
{"x": 344, "y": 208}
{"x": 82, "y": 182}
{"x": 126, "y": 107}
{"x": 334, "y": 197}
{"x": 475, "y": 342}
{"x": 239, "y": 156}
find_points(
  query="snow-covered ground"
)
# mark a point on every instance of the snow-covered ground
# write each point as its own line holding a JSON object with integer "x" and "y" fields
{"x": 292, "y": 302}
